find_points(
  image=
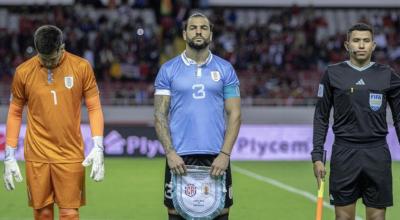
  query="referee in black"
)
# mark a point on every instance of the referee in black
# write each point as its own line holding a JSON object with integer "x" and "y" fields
{"x": 359, "y": 91}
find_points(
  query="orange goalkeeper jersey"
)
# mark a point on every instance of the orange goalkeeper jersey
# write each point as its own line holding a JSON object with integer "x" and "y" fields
{"x": 54, "y": 100}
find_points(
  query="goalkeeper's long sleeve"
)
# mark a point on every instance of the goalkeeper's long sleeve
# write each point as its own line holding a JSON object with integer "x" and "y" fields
{"x": 95, "y": 113}
{"x": 14, "y": 120}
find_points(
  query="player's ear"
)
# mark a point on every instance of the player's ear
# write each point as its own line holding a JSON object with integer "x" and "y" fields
{"x": 346, "y": 45}
{"x": 373, "y": 46}
{"x": 184, "y": 35}
{"x": 62, "y": 46}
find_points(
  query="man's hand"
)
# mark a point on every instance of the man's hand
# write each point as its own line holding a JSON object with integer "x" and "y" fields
{"x": 319, "y": 171}
{"x": 219, "y": 165}
{"x": 11, "y": 169}
{"x": 176, "y": 163}
{"x": 96, "y": 157}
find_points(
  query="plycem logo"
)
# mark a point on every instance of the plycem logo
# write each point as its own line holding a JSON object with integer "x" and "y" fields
{"x": 273, "y": 147}
{"x": 255, "y": 142}
{"x": 273, "y": 142}
{"x": 146, "y": 146}
{"x": 115, "y": 144}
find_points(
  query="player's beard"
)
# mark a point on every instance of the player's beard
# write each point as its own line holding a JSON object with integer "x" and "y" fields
{"x": 193, "y": 45}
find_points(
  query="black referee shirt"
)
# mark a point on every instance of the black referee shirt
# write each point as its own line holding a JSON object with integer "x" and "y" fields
{"x": 359, "y": 97}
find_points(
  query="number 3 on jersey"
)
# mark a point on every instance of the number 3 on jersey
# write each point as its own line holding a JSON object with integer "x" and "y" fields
{"x": 53, "y": 92}
{"x": 199, "y": 92}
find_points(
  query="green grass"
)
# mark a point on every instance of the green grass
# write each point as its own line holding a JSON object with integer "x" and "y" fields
{"x": 133, "y": 189}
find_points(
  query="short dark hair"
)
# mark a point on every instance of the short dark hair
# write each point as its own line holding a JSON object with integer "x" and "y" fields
{"x": 360, "y": 27}
{"x": 194, "y": 15}
{"x": 47, "y": 39}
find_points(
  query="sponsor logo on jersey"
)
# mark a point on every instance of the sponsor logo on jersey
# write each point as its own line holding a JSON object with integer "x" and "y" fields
{"x": 215, "y": 75}
{"x": 320, "y": 91}
{"x": 69, "y": 82}
{"x": 375, "y": 101}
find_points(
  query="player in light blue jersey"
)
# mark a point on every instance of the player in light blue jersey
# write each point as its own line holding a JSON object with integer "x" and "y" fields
{"x": 193, "y": 92}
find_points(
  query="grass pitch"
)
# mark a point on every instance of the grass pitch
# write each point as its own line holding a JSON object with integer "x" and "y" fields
{"x": 133, "y": 189}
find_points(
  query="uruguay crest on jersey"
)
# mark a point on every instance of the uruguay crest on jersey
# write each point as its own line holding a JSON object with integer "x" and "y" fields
{"x": 69, "y": 82}
{"x": 215, "y": 75}
{"x": 375, "y": 101}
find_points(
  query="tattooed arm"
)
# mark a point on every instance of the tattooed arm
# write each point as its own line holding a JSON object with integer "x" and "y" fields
{"x": 161, "y": 111}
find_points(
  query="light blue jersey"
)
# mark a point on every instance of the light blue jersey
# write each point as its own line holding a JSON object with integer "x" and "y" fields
{"x": 198, "y": 92}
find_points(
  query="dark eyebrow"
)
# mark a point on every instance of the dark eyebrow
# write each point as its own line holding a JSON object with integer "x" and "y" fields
{"x": 359, "y": 38}
{"x": 193, "y": 25}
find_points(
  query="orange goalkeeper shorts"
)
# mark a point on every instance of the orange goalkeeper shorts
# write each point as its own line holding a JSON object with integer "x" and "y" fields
{"x": 60, "y": 183}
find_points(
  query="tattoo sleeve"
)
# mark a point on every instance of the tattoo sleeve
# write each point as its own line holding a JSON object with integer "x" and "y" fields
{"x": 161, "y": 111}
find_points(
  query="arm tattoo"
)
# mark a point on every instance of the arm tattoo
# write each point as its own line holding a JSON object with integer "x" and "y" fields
{"x": 161, "y": 111}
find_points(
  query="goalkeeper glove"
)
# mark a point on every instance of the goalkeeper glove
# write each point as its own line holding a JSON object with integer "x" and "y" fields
{"x": 96, "y": 159}
{"x": 11, "y": 169}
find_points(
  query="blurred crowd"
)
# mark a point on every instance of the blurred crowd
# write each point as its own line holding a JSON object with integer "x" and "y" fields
{"x": 279, "y": 54}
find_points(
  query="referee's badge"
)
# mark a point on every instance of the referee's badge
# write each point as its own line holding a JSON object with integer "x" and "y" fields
{"x": 215, "y": 75}
{"x": 375, "y": 101}
{"x": 69, "y": 82}
{"x": 320, "y": 91}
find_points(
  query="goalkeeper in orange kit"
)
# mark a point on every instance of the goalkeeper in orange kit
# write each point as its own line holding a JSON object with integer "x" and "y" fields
{"x": 52, "y": 85}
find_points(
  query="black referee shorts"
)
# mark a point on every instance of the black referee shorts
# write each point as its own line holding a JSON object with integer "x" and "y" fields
{"x": 361, "y": 172}
{"x": 198, "y": 160}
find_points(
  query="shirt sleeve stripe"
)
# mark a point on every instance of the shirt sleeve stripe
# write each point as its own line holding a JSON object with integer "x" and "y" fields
{"x": 162, "y": 92}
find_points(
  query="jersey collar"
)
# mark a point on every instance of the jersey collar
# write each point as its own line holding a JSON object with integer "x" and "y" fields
{"x": 189, "y": 61}
{"x": 359, "y": 68}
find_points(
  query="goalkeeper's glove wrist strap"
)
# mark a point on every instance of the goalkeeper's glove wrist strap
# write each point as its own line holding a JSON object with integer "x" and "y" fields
{"x": 98, "y": 142}
{"x": 10, "y": 153}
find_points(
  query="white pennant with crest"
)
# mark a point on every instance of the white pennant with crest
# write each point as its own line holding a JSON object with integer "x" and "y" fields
{"x": 197, "y": 195}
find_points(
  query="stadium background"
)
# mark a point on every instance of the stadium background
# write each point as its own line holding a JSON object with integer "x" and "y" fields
{"x": 279, "y": 50}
